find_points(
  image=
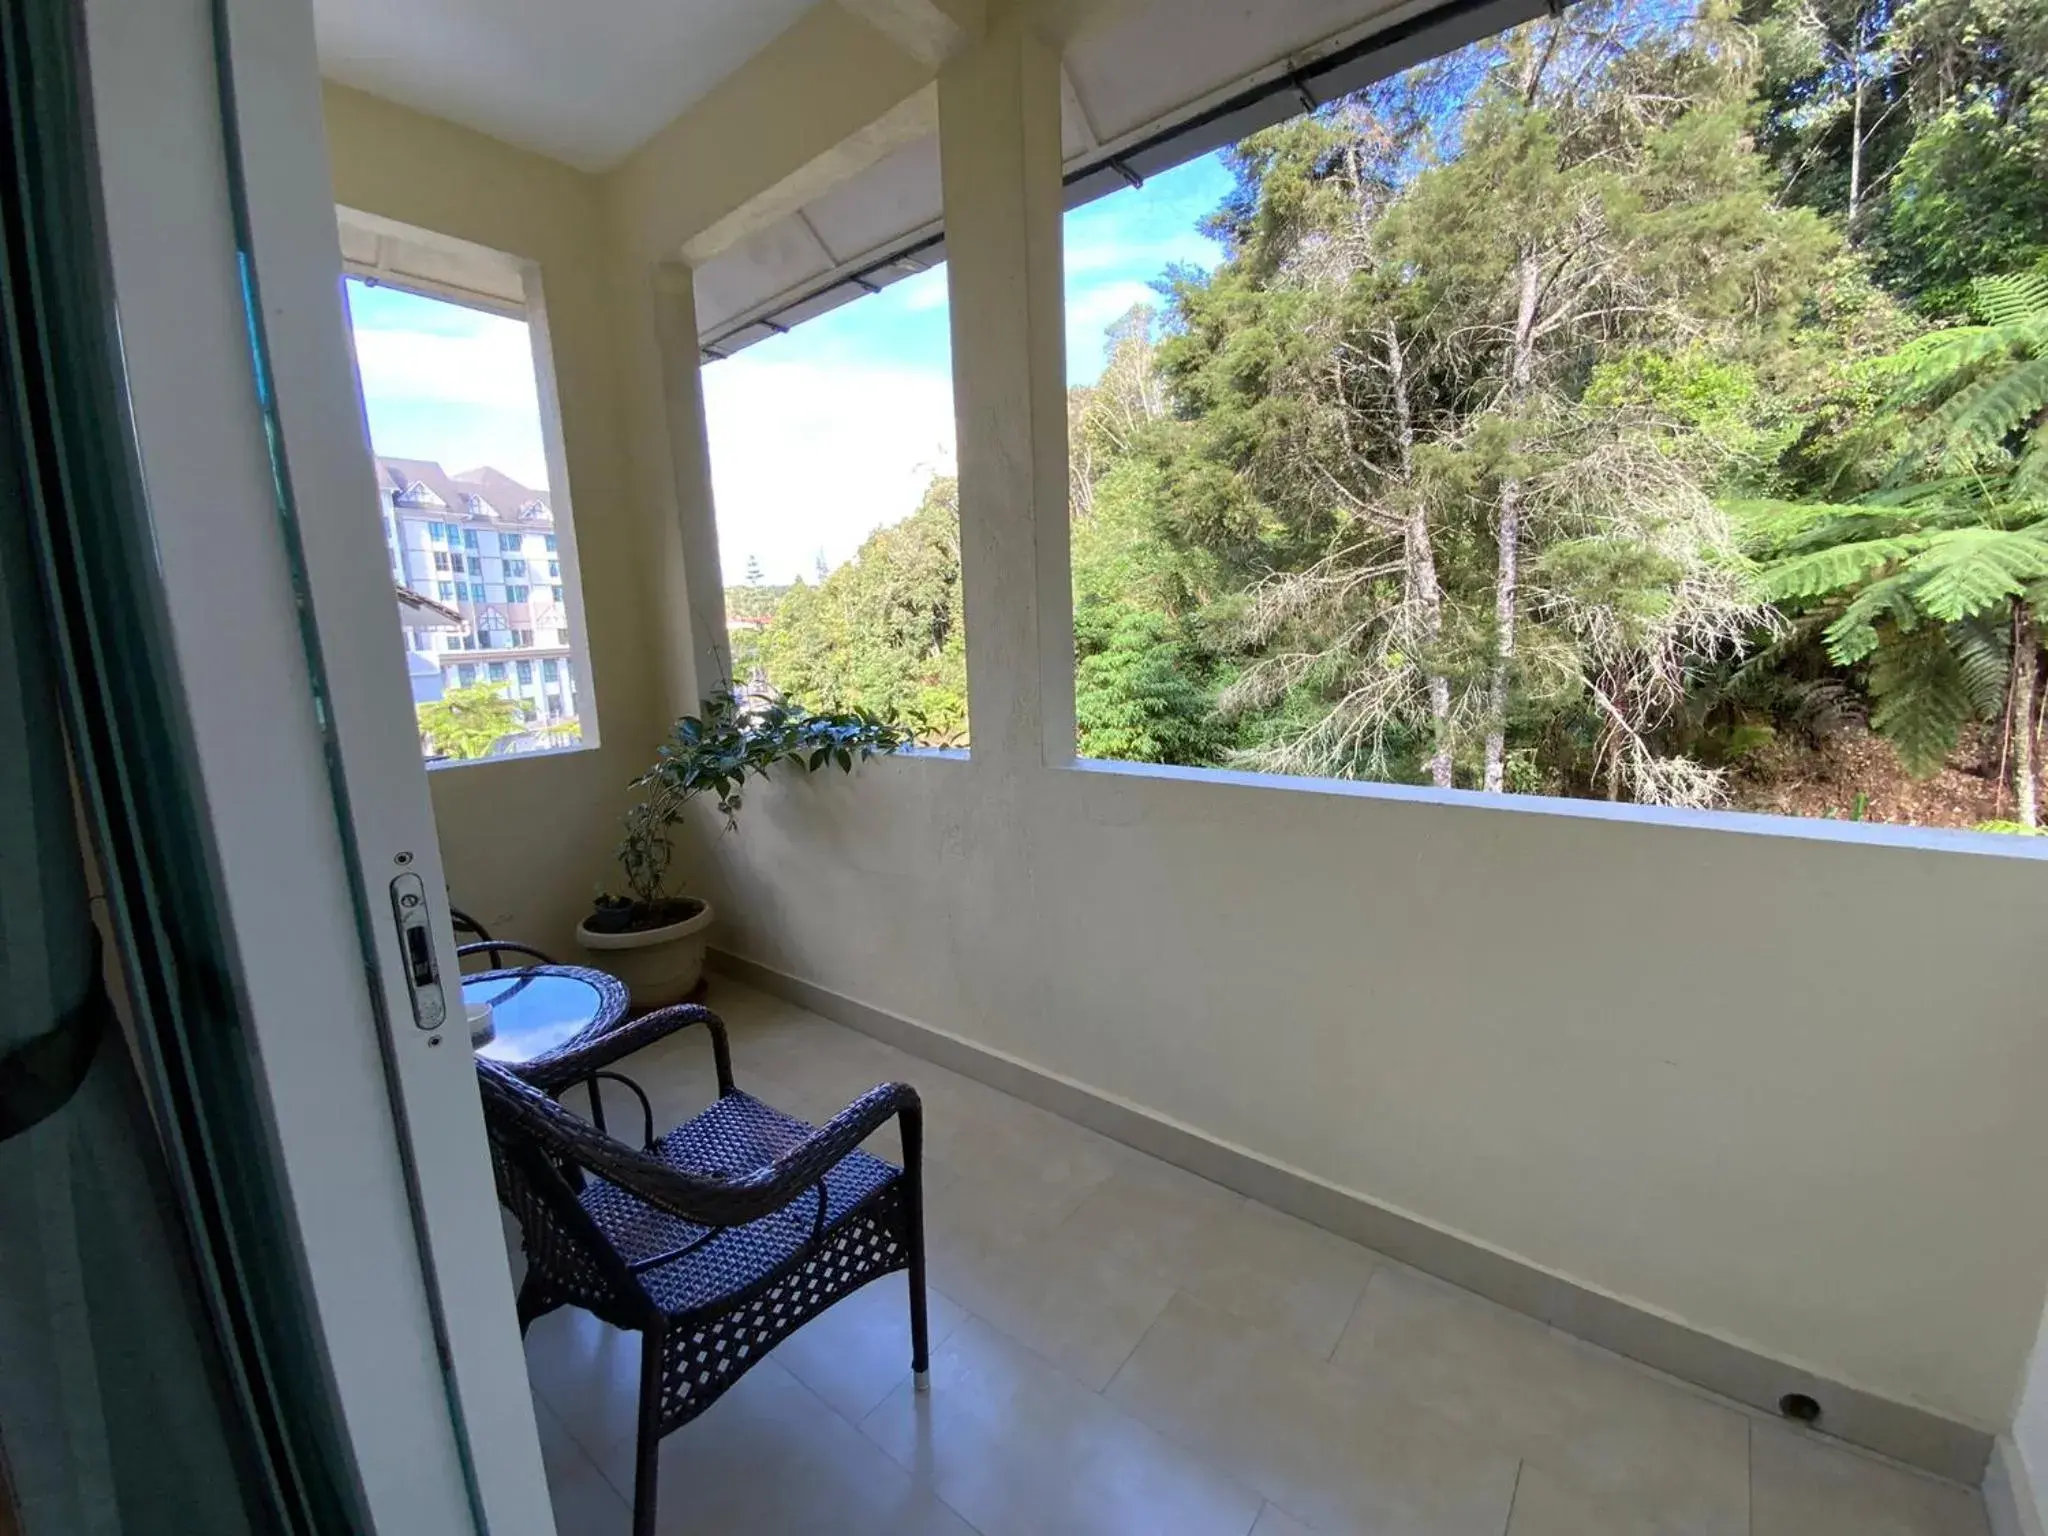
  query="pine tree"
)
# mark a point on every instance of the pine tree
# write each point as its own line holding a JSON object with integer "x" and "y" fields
{"x": 1382, "y": 433}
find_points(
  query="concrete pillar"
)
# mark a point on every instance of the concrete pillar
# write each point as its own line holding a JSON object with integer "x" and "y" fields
{"x": 999, "y": 143}
{"x": 682, "y": 389}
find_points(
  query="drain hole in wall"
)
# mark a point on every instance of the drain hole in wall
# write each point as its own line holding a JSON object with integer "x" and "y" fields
{"x": 1797, "y": 1405}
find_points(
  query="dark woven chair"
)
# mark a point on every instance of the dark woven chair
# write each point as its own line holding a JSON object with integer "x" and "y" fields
{"x": 715, "y": 1243}
{"x": 484, "y": 944}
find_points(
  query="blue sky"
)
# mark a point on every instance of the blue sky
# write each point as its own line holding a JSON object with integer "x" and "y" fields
{"x": 821, "y": 436}
{"x": 818, "y": 437}
{"x": 445, "y": 382}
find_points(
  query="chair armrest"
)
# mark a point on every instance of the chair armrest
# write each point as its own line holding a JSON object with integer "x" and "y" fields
{"x": 581, "y": 1057}
{"x": 493, "y": 946}
{"x": 516, "y": 1106}
{"x": 772, "y": 1186}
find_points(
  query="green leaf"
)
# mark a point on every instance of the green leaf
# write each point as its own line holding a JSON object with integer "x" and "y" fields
{"x": 1922, "y": 699}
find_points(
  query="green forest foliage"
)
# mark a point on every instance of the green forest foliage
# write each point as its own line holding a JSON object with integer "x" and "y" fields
{"x": 468, "y": 722}
{"x": 1570, "y": 414}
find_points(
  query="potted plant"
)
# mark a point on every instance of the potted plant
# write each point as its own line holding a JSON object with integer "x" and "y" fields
{"x": 652, "y": 940}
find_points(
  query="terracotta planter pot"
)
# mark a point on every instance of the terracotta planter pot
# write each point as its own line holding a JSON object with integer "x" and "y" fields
{"x": 659, "y": 966}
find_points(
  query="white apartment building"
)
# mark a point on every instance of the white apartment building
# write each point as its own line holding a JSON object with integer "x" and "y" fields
{"x": 484, "y": 544}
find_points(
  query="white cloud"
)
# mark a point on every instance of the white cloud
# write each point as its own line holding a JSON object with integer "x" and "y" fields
{"x": 808, "y": 457}
{"x": 926, "y": 291}
{"x": 493, "y": 367}
{"x": 1089, "y": 313}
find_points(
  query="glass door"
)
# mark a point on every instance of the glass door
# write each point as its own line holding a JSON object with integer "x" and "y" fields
{"x": 265, "y": 710}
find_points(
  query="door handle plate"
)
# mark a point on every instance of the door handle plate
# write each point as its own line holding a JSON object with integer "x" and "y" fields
{"x": 416, "y": 952}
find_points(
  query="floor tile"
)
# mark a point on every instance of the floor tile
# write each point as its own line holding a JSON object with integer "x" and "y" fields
{"x": 1328, "y": 1446}
{"x": 1603, "y": 1423}
{"x": 1081, "y": 1309}
{"x": 1156, "y": 1217}
{"x": 1806, "y": 1485}
{"x": 585, "y": 1502}
{"x": 769, "y": 1456}
{"x": 1017, "y": 1447}
{"x": 1275, "y": 1521}
{"x": 1548, "y": 1505}
{"x": 587, "y": 1372}
{"x": 856, "y": 1352}
{"x": 1223, "y": 1249}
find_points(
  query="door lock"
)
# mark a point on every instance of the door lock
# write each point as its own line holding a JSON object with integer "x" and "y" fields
{"x": 416, "y": 946}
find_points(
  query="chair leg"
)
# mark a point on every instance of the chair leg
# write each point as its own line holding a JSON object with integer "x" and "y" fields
{"x": 647, "y": 1447}
{"x": 912, "y": 1126}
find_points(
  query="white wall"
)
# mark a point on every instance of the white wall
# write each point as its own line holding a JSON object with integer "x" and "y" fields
{"x": 2022, "y": 1457}
{"x": 1785, "y": 1090}
{"x": 527, "y": 839}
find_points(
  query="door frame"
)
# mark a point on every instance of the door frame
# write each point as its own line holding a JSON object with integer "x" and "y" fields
{"x": 256, "y": 464}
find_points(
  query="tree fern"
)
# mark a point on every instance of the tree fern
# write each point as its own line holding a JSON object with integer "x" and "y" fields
{"x": 1819, "y": 572}
{"x": 1971, "y": 426}
{"x": 1979, "y": 384}
{"x": 1921, "y": 698}
{"x": 1983, "y": 652}
{"x": 2016, "y": 298}
{"x": 1934, "y": 581}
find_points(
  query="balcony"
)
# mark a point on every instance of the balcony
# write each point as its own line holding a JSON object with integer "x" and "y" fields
{"x": 1306, "y": 1155}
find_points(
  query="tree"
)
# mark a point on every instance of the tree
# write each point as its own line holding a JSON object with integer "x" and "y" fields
{"x": 1937, "y": 583}
{"x": 1834, "y": 89}
{"x": 1920, "y": 123}
{"x": 468, "y": 722}
{"x": 882, "y": 633}
{"x": 1138, "y": 690}
{"x": 1382, "y": 431}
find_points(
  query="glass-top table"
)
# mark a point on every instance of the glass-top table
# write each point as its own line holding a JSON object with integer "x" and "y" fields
{"x": 538, "y": 1010}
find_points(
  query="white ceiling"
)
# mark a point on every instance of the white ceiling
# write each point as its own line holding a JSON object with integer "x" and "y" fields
{"x": 586, "y": 81}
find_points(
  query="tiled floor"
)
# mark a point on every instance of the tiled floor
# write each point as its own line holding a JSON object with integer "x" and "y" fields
{"x": 1122, "y": 1348}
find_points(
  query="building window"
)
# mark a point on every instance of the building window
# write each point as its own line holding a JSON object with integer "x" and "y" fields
{"x": 462, "y": 591}
{"x": 509, "y": 542}
{"x": 447, "y": 591}
{"x": 440, "y": 559}
{"x": 515, "y": 594}
{"x": 549, "y": 540}
{"x": 525, "y": 670}
{"x": 456, "y": 562}
{"x": 438, "y": 532}
{"x": 558, "y": 593}
{"x": 497, "y": 671}
{"x": 522, "y": 637}
{"x": 515, "y": 567}
{"x": 561, "y": 637}
{"x": 554, "y": 572}
{"x": 549, "y": 671}
{"x": 465, "y": 675}
{"x": 469, "y": 538}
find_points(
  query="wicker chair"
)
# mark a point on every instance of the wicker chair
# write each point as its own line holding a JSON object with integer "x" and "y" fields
{"x": 726, "y": 1235}
{"x": 463, "y": 923}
